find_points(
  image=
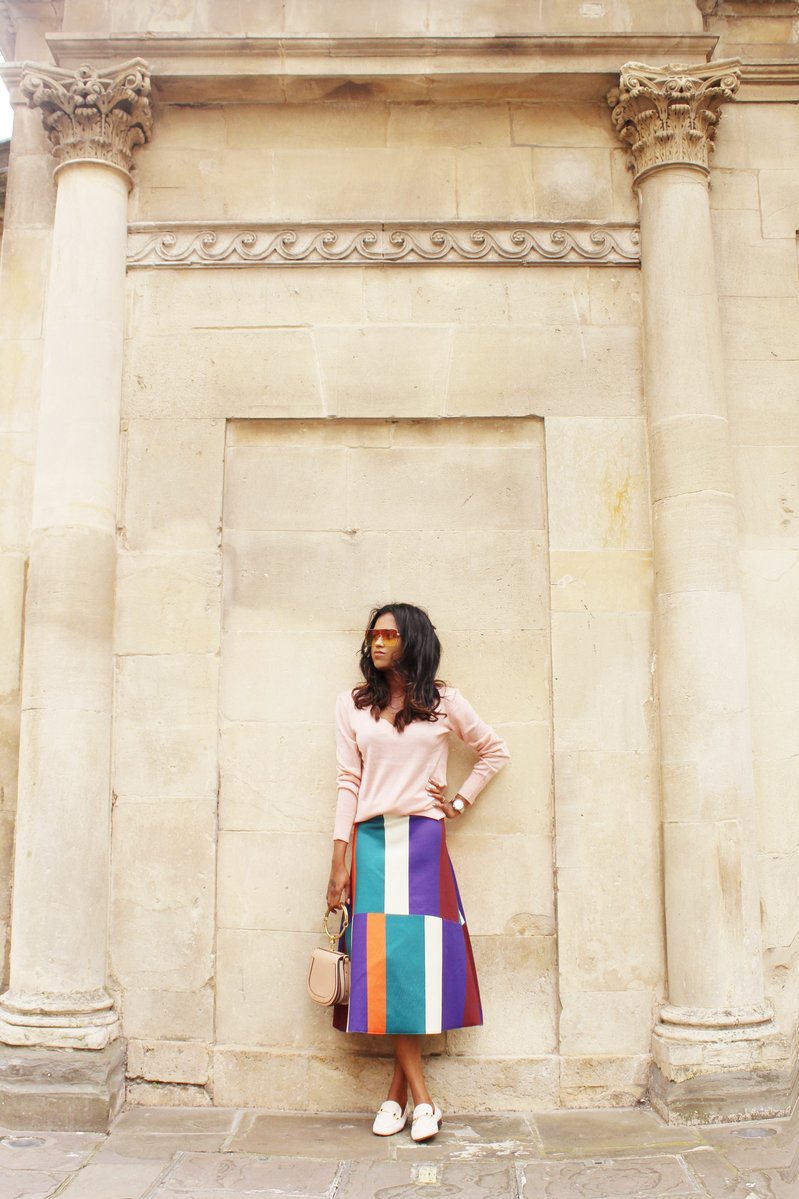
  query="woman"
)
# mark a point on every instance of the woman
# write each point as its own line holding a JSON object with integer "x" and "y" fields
{"x": 412, "y": 966}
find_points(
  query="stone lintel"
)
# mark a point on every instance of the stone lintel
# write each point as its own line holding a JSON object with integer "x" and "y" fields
{"x": 65, "y": 1090}
{"x": 204, "y": 69}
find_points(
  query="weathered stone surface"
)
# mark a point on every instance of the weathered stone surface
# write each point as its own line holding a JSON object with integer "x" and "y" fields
{"x": 12, "y": 596}
{"x": 167, "y": 602}
{"x": 718, "y": 1097}
{"x": 667, "y": 1176}
{"x": 601, "y": 580}
{"x": 603, "y": 1080}
{"x": 603, "y": 699}
{"x": 154, "y": 1013}
{"x": 166, "y": 726}
{"x": 597, "y": 484}
{"x": 544, "y": 371}
{"x": 163, "y": 856}
{"x": 61, "y": 1089}
{"x": 168, "y": 1061}
{"x": 484, "y": 440}
{"x": 258, "y": 1077}
{"x": 172, "y": 489}
{"x": 113, "y": 1182}
{"x": 572, "y": 183}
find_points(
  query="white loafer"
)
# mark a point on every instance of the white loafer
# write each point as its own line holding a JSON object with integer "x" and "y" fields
{"x": 426, "y": 1122}
{"x": 390, "y": 1119}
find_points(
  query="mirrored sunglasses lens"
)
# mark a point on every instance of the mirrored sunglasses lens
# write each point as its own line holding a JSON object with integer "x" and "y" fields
{"x": 387, "y": 636}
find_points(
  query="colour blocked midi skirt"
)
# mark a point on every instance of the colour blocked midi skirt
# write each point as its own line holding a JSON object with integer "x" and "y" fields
{"x": 412, "y": 964}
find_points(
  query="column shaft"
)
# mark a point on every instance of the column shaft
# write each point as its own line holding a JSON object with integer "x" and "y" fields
{"x": 717, "y": 1053}
{"x": 57, "y": 997}
{"x": 714, "y": 960}
{"x": 59, "y": 927}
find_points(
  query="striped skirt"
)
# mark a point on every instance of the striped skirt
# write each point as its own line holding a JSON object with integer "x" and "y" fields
{"x": 412, "y": 964}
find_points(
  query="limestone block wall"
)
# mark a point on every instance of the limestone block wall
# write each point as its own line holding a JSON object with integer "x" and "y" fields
{"x": 272, "y": 414}
{"x": 755, "y": 194}
{"x": 382, "y": 17}
{"x": 312, "y": 399}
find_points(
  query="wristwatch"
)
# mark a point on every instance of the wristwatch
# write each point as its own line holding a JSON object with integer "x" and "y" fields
{"x": 458, "y": 804}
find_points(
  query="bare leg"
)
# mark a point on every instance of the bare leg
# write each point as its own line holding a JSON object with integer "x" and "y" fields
{"x": 398, "y": 1091}
{"x": 408, "y": 1055}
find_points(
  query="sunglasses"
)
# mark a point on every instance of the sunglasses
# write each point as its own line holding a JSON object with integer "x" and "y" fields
{"x": 389, "y": 636}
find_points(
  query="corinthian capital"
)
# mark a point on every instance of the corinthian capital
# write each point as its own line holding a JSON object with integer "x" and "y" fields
{"x": 668, "y": 115}
{"x": 91, "y": 116}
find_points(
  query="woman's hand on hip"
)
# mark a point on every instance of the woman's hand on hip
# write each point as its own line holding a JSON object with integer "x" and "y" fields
{"x": 338, "y": 887}
{"x": 438, "y": 793}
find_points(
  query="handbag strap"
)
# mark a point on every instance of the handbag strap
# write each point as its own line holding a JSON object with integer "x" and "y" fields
{"x": 345, "y": 919}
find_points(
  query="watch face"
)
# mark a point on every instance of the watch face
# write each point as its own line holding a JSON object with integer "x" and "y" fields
{"x": 458, "y": 805}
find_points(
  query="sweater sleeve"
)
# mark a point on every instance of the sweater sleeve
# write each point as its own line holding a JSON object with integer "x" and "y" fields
{"x": 492, "y": 752}
{"x": 348, "y": 769}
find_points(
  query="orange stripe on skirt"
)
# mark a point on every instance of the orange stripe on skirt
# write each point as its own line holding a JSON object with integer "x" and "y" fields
{"x": 376, "y": 971}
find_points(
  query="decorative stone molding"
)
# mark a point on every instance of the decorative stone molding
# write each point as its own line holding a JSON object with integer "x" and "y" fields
{"x": 668, "y": 115}
{"x": 452, "y": 244}
{"x": 89, "y": 116}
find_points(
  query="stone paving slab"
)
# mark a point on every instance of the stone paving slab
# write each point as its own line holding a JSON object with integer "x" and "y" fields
{"x": 122, "y": 1150}
{"x": 467, "y": 1137}
{"x": 572, "y": 1133}
{"x": 396, "y": 1180}
{"x": 658, "y": 1177}
{"x": 186, "y": 1153}
{"x": 132, "y": 1181}
{"x": 313, "y": 1137}
{"x": 230, "y": 1174}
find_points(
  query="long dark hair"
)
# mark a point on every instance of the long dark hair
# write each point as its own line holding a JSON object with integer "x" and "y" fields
{"x": 416, "y": 665}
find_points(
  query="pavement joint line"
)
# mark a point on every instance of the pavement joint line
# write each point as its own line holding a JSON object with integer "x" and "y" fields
{"x": 342, "y": 1177}
{"x": 163, "y": 1175}
{"x": 238, "y": 1120}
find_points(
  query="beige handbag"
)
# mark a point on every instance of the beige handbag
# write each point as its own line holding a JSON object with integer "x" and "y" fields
{"x": 329, "y": 969}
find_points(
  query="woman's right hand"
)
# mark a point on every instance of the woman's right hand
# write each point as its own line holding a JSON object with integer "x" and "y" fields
{"x": 338, "y": 887}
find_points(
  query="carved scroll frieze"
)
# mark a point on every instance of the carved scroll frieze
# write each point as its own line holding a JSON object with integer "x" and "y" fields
{"x": 668, "y": 115}
{"x": 452, "y": 243}
{"x": 92, "y": 116}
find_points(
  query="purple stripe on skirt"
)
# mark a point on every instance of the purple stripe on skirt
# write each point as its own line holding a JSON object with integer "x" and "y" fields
{"x": 423, "y": 873}
{"x": 358, "y": 990}
{"x": 453, "y": 952}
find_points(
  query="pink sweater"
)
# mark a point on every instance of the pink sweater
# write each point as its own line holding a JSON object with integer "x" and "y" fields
{"x": 382, "y": 771}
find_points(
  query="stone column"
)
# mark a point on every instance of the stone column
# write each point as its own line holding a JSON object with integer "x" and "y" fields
{"x": 717, "y": 1053}
{"x": 57, "y": 1007}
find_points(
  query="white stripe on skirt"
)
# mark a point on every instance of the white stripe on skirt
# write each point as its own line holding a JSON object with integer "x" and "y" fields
{"x": 432, "y": 973}
{"x": 397, "y": 855}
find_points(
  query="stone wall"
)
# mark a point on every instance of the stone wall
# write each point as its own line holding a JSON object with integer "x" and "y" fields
{"x": 450, "y": 353}
{"x": 303, "y": 439}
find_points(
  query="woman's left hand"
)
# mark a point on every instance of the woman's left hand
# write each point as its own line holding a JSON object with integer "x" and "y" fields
{"x": 438, "y": 793}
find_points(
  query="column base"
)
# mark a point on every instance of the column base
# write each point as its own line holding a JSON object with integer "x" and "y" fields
{"x": 87, "y": 1020}
{"x": 736, "y": 1067}
{"x": 62, "y": 1090}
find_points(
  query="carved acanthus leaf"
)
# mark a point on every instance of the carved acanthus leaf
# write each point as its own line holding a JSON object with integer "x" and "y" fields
{"x": 89, "y": 116}
{"x": 668, "y": 115}
{"x": 455, "y": 244}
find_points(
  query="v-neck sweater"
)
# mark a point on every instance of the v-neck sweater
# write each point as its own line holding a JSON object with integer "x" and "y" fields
{"x": 381, "y": 771}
